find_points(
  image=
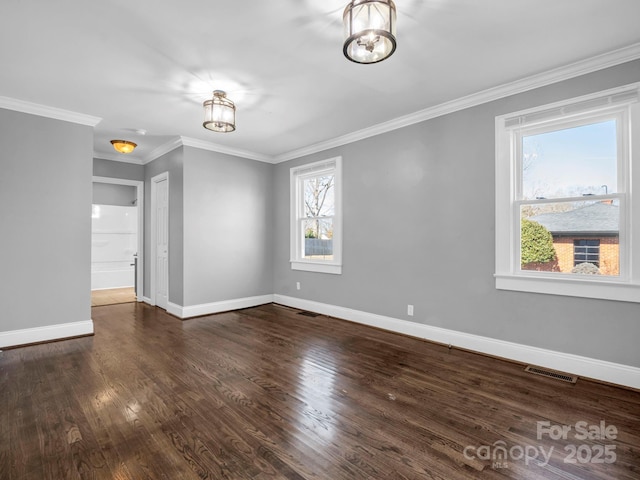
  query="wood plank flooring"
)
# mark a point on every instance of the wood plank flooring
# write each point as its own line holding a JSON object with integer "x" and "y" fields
{"x": 266, "y": 393}
{"x": 112, "y": 296}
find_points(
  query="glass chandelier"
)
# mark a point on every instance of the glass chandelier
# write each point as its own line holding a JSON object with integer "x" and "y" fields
{"x": 370, "y": 28}
{"x": 219, "y": 113}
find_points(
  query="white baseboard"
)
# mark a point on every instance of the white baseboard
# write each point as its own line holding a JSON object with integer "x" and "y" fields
{"x": 26, "y": 336}
{"x": 217, "y": 307}
{"x": 175, "y": 309}
{"x": 583, "y": 366}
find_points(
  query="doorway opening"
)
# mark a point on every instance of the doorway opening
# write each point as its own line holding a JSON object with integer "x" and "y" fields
{"x": 117, "y": 272}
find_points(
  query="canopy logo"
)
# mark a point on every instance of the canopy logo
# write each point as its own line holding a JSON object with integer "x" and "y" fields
{"x": 587, "y": 452}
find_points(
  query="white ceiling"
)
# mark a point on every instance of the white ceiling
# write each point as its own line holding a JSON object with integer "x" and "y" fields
{"x": 145, "y": 64}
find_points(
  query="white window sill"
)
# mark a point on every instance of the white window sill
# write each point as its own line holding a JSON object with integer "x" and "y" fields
{"x": 316, "y": 267}
{"x": 573, "y": 287}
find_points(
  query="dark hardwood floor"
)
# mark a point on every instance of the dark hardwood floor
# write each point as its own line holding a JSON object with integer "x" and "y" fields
{"x": 266, "y": 393}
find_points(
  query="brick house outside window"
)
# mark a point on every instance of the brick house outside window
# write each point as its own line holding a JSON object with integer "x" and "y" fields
{"x": 586, "y": 234}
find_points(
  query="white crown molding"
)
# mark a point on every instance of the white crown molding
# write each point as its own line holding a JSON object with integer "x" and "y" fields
{"x": 49, "y": 112}
{"x": 162, "y": 150}
{"x": 204, "y": 145}
{"x": 214, "y": 147}
{"x": 582, "y": 67}
{"x": 49, "y": 333}
{"x": 575, "y": 364}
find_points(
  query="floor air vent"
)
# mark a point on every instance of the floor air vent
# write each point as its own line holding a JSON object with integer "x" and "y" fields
{"x": 309, "y": 314}
{"x": 565, "y": 377}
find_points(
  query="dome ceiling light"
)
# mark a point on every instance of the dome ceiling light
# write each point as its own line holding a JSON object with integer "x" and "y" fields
{"x": 123, "y": 146}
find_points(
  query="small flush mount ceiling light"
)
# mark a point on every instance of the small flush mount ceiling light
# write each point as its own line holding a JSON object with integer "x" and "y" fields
{"x": 370, "y": 29}
{"x": 123, "y": 146}
{"x": 219, "y": 113}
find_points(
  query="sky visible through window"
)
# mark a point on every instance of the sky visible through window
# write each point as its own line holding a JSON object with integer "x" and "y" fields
{"x": 571, "y": 162}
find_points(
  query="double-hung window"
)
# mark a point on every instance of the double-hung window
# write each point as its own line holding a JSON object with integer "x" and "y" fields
{"x": 316, "y": 213}
{"x": 566, "y": 220}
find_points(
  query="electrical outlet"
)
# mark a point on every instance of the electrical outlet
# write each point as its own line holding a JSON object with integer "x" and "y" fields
{"x": 410, "y": 310}
{"x": 297, "y": 285}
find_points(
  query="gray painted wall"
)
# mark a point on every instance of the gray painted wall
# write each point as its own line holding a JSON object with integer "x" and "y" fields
{"x": 171, "y": 162}
{"x": 220, "y": 226}
{"x": 45, "y": 212}
{"x": 228, "y": 221}
{"x": 111, "y": 194}
{"x": 109, "y": 168}
{"x": 419, "y": 228}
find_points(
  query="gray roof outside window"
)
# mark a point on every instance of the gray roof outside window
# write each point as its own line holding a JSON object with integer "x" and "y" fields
{"x": 595, "y": 219}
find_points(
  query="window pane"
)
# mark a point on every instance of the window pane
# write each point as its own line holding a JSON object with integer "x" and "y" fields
{"x": 571, "y": 162}
{"x": 560, "y": 236}
{"x": 319, "y": 196}
{"x": 586, "y": 251}
{"x": 318, "y": 238}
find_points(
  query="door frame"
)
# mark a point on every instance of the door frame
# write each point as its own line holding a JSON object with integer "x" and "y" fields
{"x": 139, "y": 185}
{"x": 164, "y": 176}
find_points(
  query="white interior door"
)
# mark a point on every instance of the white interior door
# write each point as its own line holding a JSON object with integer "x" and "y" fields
{"x": 160, "y": 240}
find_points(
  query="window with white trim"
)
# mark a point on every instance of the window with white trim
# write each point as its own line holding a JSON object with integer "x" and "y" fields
{"x": 563, "y": 174}
{"x": 316, "y": 217}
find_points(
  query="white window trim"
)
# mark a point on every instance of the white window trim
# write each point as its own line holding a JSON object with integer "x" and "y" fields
{"x": 508, "y": 275}
{"x": 297, "y": 207}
